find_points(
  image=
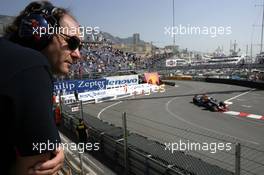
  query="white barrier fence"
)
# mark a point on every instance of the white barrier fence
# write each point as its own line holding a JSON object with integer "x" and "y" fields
{"x": 113, "y": 93}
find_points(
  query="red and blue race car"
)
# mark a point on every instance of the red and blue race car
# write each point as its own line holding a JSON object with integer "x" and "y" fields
{"x": 210, "y": 103}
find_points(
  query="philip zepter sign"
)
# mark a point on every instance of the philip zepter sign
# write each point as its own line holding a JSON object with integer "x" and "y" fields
{"x": 79, "y": 85}
{"x": 94, "y": 85}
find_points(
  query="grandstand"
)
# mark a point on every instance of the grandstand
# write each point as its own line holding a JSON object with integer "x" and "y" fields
{"x": 102, "y": 58}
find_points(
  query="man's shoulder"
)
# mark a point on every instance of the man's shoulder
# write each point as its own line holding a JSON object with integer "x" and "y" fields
{"x": 14, "y": 52}
{"x": 16, "y": 58}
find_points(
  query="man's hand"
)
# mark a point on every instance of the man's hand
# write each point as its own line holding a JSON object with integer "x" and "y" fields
{"x": 50, "y": 167}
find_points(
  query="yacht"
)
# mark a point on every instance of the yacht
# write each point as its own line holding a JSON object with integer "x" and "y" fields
{"x": 172, "y": 62}
{"x": 226, "y": 60}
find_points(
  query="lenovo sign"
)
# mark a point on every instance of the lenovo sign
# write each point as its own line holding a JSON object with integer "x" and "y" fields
{"x": 121, "y": 81}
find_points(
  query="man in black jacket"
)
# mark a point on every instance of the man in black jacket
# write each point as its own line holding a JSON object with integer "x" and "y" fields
{"x": 28, "y": 59}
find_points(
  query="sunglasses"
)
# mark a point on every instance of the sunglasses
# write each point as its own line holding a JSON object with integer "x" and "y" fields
{"x": 73, "y": 42}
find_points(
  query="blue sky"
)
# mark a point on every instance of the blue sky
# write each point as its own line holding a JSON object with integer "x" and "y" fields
{"x": 149, "y": 17}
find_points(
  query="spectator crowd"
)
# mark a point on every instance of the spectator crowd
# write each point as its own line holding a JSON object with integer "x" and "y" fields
{"x": 102, "y": 58}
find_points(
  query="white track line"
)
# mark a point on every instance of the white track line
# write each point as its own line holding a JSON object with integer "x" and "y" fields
{"x": 228, "y": 100}
{"x": 98, "y": 116}
{"x": 196, "y": 125}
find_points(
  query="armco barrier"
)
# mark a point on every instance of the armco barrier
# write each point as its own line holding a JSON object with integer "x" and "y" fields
{"x": 252, "y": 84}
{"x": 245, "y": 83}
{"x": 146, "y": 157}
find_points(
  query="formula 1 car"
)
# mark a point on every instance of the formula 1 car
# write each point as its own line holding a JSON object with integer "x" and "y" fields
{"x": 209, "y": 103}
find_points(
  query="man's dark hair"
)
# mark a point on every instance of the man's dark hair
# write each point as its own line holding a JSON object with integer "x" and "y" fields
{"x": 12, "y": 31}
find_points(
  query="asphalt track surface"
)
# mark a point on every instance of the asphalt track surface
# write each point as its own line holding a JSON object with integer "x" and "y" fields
{"x": 171, "y": 116}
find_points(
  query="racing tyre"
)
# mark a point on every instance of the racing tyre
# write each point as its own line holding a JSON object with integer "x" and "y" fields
{"x": 214, "y": 108}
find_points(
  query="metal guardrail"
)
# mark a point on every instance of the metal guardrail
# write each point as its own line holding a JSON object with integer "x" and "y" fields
{"x": 69, "y": 168}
